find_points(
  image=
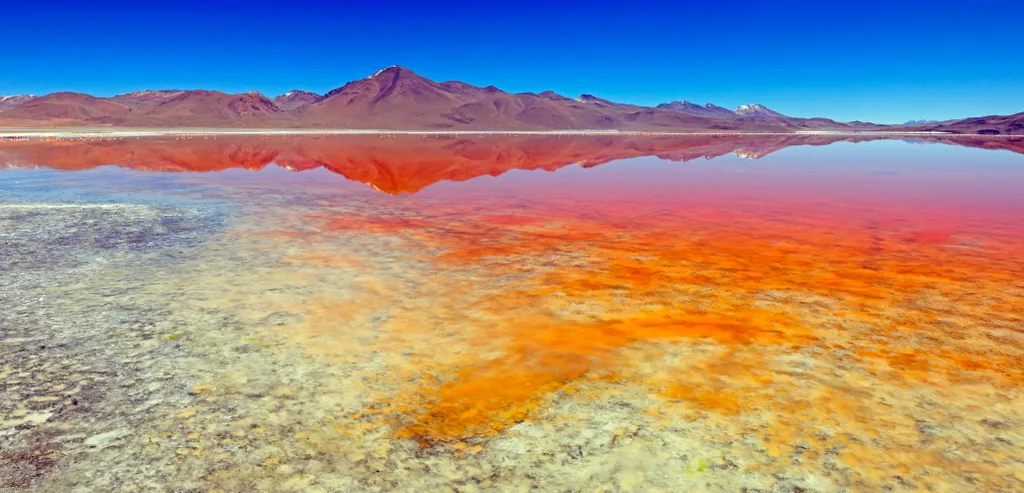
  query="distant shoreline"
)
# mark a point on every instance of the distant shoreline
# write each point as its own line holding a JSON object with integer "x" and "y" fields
{"x": 85, "y": 132}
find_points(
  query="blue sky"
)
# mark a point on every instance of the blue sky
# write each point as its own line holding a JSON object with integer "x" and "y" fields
{"x": 868, "y": 60}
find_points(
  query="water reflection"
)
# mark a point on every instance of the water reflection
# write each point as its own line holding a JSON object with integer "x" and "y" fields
{"x": 842, "y": 316}
{"x": 403, "y": 164}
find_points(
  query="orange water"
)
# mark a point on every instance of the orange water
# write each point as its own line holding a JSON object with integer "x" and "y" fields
{"x": 816, "y": 303}
{"x": 898, "y": 280}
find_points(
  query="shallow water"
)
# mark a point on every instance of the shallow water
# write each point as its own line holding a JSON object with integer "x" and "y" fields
{"x": 535, "y": 313}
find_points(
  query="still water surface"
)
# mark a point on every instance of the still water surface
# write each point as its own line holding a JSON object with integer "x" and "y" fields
{"x": 524, "y": 314}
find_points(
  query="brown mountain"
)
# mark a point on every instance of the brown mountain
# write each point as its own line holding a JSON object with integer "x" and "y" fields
{"x": 148, "y": 109}
{"x": 295, "y": 99}
{"x": 209, "y": 108}
{"x": 398, "y": 98}
{"x": 395, "y": 97}
{"x": 68, "y": 106}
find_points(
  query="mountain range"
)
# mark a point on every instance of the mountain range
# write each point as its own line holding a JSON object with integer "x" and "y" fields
{"x": 396, "y": 98}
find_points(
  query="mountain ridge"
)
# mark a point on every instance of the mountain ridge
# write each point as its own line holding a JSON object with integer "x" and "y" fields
{"x": 396, "y": 98}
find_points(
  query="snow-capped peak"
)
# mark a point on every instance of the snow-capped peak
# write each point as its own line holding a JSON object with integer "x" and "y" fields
{"x": 151, "y": 92}
{"x": 5, "y": 98}
{"x": 381, "y": 70}
{"x": 750, "y": 108}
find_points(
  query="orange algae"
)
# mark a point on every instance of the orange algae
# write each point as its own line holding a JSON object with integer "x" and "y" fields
{"x": 536, "y": 305}
{"x": 541, "y": 357}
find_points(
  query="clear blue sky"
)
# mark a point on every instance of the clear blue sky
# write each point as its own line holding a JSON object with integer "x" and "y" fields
{"x": 869, "y": 60}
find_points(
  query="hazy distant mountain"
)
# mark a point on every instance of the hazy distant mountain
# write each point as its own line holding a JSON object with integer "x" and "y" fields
{"x": 8, "y": 102}
{"x": 746, "y": 116}
{"x": 914, "y": 123}
{"x": 398, "y": 98}
{"x": 985, "y": 125}
{"x": 295, "y": 99}
{"x": 696, "y": 109}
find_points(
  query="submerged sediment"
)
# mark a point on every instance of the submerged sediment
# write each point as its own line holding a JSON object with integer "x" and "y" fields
{"x": 245, "y": 333}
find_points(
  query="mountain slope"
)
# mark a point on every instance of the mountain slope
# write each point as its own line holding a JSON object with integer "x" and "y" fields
{"x": 295, "y": 99}
{"x": 8, "y": 102}
{"x": 209, "y": 108}
{"x": 68, "y": 106}
{"x": 395, "y": 97}
{"x": 536, "y": 112}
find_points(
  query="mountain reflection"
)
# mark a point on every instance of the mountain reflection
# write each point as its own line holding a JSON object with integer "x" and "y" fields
{"x": 408, "y": 164}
